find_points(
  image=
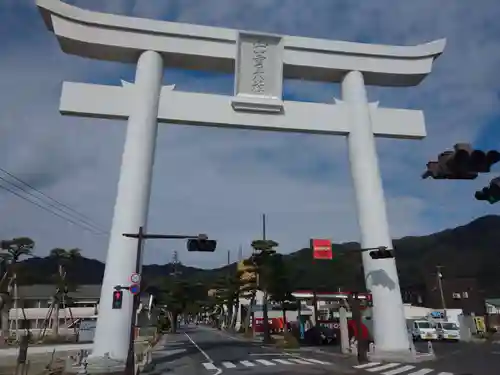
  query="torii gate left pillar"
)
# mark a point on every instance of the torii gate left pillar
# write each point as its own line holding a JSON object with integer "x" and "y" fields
{"x": 261, "y": 63}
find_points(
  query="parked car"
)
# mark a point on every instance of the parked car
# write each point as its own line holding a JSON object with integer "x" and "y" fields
{"x": 423, "y": 330}
{"x": 447, "y": 331}
{"x": 316, "y": 336}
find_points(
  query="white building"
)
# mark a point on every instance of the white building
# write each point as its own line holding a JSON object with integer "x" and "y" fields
{"x": 34, "y": 304}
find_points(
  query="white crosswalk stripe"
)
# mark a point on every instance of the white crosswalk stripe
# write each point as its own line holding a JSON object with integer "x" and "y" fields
{"x": 383, "y": 367}
{"x": 283, "y": 361}
{"x": 365, "y": 365}
{"x": 265, "y": 362}
{"x": 300, "y": 361}
{"x": 421, "y": 371}
{"x": 318, "y": 361}
{"x": 397, "y": 369}
{"x": 210, "y": 366}
{"x": 287, "y": 361}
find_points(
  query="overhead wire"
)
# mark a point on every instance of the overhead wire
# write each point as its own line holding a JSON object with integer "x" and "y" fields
{"x": 71, "y": 210}
{"x": 66, "y": 212}
{"x": 48, "y": 210}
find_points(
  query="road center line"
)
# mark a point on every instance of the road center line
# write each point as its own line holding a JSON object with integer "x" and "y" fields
{"x": 200, "y": 349}
{"x": 219, "y": 370}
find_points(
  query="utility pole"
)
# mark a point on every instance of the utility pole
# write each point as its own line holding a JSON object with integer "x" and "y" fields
{"x": 264, "y": 226}
{"x": 175, "y": 264}
{"x": 440, "y": 286}
{"x": 265, "y": 315}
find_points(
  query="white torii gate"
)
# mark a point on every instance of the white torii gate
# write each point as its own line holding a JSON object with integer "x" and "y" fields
{"x": 259, "y": 62}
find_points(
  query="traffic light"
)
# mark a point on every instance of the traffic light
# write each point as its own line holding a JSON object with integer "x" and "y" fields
{"x": 463, "y": 163}
{"x": 201, "y": 244}
{"x": 117, "y": 299}
{"x": 490, "y": 193}
{"x": 382, "y": 253}
{"x": 481, "y": 161}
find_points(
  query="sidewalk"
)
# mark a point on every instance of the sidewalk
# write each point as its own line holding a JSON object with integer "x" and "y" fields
{"x": 46, "y": 349}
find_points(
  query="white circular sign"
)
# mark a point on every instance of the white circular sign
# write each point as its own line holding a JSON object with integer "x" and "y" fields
{"x": 135, "y": 278}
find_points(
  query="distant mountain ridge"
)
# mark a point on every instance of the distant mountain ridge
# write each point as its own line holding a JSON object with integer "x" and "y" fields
{"x": 469, "y": 250}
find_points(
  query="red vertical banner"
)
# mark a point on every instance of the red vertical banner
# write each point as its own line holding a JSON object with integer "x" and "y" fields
{"x": 321, "y": 249}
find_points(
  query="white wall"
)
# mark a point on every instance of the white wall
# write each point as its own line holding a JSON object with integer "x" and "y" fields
{"x": 492, "y": 309}
{"x": 413, "y": 312}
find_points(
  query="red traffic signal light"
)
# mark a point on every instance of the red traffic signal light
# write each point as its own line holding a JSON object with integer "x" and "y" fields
{"x": 117, "y": 299}
{"x": 201, "y": 244}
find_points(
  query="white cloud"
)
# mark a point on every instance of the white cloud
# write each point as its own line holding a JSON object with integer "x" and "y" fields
{"x": 220, "y": 181}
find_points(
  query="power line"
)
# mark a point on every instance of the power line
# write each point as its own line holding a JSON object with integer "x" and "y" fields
{"x": 68, "y": 216}
{"x": 68, "y": 208}
{"x": 30, "y": 194}
{"x": 48, "y": 210}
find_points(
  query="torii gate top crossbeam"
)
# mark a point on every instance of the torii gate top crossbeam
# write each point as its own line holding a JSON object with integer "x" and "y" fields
{"x": 121, "y": 38}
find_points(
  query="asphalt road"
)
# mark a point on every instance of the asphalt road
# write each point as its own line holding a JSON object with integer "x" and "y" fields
{"x": 452, "y": 359}
{"x": 468, "y": 358}
{"x": 206, "y": 351}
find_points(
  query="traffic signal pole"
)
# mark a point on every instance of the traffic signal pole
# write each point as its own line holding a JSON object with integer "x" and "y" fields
{"x": 141, "y": 237}
{"x": 130, "y": 363}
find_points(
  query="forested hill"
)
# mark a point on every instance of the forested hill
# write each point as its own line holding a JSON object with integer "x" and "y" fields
{"x": 470, "y": 250}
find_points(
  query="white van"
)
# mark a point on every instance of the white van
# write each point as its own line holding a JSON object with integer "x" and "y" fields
{"x": 447, "y": 331}
{"x": 423, "y": 330}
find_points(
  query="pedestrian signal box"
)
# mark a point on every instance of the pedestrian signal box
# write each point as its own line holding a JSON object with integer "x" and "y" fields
{"x": 117, "y": 299}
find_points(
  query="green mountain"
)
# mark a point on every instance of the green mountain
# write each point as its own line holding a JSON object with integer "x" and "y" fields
{"x": 465, "y": 251}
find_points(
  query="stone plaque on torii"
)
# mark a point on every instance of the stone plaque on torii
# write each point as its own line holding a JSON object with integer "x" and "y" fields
{"x": 260, "y": 62}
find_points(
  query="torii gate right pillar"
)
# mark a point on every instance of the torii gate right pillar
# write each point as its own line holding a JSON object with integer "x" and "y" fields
{"x": 381, "y": 276}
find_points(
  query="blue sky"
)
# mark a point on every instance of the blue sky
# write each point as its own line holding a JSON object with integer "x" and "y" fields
{"x": 301, "y": 181}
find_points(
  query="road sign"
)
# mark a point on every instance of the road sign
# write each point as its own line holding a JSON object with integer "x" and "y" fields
{"x": 321, "y": 248}
{"x": 135, "y": 278}
{"x": 134, "y": 289}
